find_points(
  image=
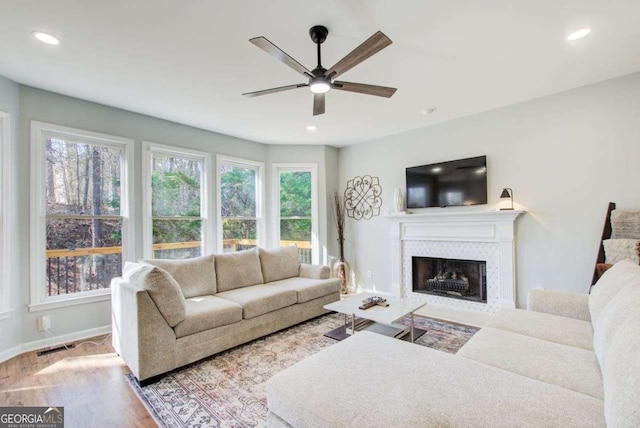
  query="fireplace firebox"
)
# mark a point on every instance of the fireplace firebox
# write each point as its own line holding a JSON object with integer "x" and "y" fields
{"x": 458, "y": 279}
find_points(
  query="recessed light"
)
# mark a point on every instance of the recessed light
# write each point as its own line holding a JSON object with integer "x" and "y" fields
{"x": 436, "y": 169}
{"x": 312, "y": 128}
{"x": 46, "y": 38}
{"x": 578, "y": 34}
{"x": 427, "y": 111}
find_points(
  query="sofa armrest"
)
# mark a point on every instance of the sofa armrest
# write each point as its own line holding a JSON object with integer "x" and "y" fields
{"x": 141, "y": 335}
{"x": 570, "y": 305}
{"x": 314, "y": 271}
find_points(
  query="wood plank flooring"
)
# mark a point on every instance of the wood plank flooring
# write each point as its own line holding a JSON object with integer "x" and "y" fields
{"x": 88, "y": 381}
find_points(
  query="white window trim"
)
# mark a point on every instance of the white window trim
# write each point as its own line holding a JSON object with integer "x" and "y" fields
{"x": 38, "y": 301}
{"x": 149, "y": 148}
{"x": 5, "y": 309}
{"x": 260, "y": 192}
{"x": 277, "y": 168}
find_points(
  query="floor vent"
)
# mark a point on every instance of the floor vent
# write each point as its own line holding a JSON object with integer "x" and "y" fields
{"x": 58, "y": 349}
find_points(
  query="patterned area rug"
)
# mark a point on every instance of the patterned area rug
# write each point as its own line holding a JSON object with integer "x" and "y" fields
{"x": 228, "y": 389}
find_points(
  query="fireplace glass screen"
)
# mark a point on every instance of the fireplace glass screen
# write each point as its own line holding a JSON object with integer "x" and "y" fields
{"x": 458, "y": 279}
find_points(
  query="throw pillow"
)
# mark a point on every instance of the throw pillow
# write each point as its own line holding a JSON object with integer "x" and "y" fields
{"x": 196, "y": 276}
{"x": 616, "y": 250}
{"x": 162, "y": 288}
{"x": 625, "y": 224}
{"x": 237, "y": 270}
{"x": 279, "y": 263}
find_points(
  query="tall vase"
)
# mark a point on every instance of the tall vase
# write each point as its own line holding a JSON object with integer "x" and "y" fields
{"x": 342, "y": 271}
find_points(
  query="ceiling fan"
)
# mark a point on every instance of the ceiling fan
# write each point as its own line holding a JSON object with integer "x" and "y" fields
{"x": 322, "y": 80}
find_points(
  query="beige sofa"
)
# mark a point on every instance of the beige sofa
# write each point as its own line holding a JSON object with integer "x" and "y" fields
{"x": 570, "y": 361}
{"x": 168, "y": 313}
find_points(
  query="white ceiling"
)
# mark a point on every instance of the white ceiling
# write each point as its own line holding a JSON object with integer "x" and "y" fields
{"x": 190, "y": 61}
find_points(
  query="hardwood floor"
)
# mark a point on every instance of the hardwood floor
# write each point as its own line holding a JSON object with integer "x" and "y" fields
{"x": 88, "y": 381}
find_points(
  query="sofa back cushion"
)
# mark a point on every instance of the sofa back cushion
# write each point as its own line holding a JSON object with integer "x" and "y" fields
{"x": 609, "y": 284}
{"x": 162, "y": 288}
{"x": 623, "y": 306}
{"x": 196, "y": 276}
{"x": 279, "y": 263}
{"x": 237, "y": 270}
{"x": 621, "y": 376}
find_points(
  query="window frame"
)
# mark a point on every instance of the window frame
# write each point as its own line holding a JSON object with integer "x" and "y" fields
{"x": 260, "y": 197}
{"x": 277, "y": 168}
{"x": 38, "y": 300}
{"x": 5, "y": 134}
{"x": 148, "y": 149}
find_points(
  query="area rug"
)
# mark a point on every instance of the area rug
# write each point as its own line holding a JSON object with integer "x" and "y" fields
{"x": 229, "y": 389}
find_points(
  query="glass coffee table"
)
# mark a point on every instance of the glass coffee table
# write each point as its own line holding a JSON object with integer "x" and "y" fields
{"x": 379, "y": 319}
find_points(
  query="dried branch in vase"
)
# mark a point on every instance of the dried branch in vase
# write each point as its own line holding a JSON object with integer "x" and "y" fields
{"x": 339, "y": 218}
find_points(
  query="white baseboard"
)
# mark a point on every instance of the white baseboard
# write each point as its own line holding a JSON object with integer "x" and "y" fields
{"x": 53, "y": 341}
{"x": 378, "y": 293}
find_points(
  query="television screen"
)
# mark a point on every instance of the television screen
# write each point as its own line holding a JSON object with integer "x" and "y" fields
{"x": 447, "y": 184}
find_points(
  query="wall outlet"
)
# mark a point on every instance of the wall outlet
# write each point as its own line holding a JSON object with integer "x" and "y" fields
{"x": 44, "y": 323}
{"x": 369, "y": 274}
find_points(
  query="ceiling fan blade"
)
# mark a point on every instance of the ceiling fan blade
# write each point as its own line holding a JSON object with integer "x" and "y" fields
{"x": 361, "y": 88}
{"x": 318, "y": 104}
{"x": 369, "y": 47}
{"x": 274, "y": 90}
{"x": 264, "y": 44}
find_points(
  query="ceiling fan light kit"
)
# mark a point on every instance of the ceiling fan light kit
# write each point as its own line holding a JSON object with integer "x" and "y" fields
{"x": 321, "y": 80}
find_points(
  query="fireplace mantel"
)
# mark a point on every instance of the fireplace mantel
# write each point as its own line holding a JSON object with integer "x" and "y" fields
{"x": 482, "y": 235}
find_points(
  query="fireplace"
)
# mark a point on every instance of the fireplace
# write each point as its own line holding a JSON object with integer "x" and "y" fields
{"x": 467, "y": 236}
{"x": 453, "y": 278}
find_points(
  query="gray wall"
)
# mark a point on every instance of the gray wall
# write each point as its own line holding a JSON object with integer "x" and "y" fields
{"x": 40, "y": 105}
{"x": 565, "y": 156}
{"x": 11, "y": 328}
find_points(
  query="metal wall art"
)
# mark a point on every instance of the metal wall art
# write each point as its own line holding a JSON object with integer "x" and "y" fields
{"x": 362, "y": 197}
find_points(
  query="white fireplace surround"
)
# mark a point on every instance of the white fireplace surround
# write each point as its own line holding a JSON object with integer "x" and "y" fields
{"x": 469, "y": 235}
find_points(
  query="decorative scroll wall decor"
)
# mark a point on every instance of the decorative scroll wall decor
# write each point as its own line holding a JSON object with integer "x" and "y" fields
{"x": 362, "y": 197}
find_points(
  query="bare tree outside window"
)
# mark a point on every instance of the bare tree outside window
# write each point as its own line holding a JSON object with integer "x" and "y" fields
{"x": 83, "y": 218}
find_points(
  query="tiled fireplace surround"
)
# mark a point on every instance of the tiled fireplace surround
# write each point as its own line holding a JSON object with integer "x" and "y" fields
{"x": 469, "y": 235}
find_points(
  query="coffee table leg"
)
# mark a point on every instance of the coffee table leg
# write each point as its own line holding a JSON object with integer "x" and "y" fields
{"x": 411, "y": 327}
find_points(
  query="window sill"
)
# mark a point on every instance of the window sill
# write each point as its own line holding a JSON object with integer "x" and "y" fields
{"x": 5, "y": 314}
{"x": 72, "y": 301}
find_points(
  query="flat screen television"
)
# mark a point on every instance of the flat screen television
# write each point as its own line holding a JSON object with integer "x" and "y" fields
{"x": 448, "y": 184}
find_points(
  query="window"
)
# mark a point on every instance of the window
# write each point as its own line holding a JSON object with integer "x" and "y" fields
{"x": 296, "y": 208}
{"x": 4, "y": 142}
{"x": 80, "y": 228}
{"x": 240, "y": 207}
{"x": 176, "y": 210}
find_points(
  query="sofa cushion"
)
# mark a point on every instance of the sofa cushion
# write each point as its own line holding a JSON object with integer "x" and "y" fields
{"x": 622, "y": 307}
{"x": 569, "y": 367}
{"x": 239, "y": 269}
{"x": 622, "y": 376}
{"x": 420, "y": 387}
{"x": 207, "y": 312}
{"x": 309, "y": 289}
{"x": 609, "y": 284}
{"x": 161, "y": 287}
{"x": 553, "y": 328}
{"x": 196, "y": 276}
{"x": 260, "y": 299}
{"x": 279, "y": 263}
